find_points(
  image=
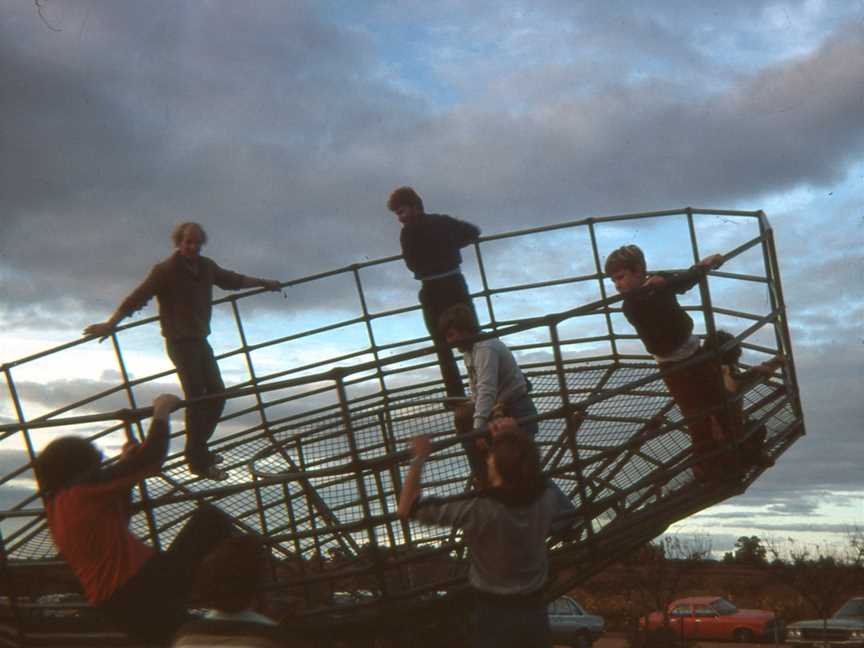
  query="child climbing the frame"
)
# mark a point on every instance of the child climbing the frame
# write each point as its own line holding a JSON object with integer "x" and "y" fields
{"x": 736, "y": 383}
{"x": 651, "y": 306}
{"x": 498, "y": 387}
{"x": 505, "y": 529}
{"x": 88, "y": 508}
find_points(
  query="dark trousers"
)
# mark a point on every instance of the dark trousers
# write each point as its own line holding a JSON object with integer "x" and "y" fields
{"x": 696, "y": 390}
{"x": 199, "y": 375}
{"x": 152, "y": 604}
{"x": 436, "y": 296}
{"x": 511, "y": 624}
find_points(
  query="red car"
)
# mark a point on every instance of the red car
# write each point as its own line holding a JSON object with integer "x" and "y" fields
{"x": 713, "y": 617}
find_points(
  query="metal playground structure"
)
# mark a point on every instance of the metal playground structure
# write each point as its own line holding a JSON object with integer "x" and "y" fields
{"x": 319, "y": 416}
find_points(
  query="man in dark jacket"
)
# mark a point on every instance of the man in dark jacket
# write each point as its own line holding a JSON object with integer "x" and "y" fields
{"x": 431, "y": 246}
{"x": 183, "y": 285}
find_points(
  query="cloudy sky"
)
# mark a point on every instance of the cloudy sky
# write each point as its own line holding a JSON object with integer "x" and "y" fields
{"x": 283, "y": 126}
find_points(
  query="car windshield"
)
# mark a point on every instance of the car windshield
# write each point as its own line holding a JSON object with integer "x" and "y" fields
{"x": 853, "y": 608}
{"x": 723, "y": 606}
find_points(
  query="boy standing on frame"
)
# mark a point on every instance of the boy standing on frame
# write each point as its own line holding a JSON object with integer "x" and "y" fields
{"x": 431, "y": 245}
{"x": 666, "y": 330}
{"x": 496, "y": 381}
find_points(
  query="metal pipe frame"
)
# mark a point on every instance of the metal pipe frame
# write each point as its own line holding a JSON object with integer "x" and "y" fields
{"x": 325, "y": 466}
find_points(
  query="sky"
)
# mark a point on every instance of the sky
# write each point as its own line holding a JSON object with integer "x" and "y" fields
{"x": 282, "y": 126}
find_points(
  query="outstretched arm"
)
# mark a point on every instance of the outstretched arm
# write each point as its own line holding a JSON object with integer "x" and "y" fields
{"x": 760, "y": 373}
{"x": 683, "y": 281}
{"x": 711, "y": 262}
{"x": 147, "y": 458}
{"x": 230, "y": 280}
{"x": 421, "y": 446}
{"x": 136, "y": 299}
{"x": 270, "y": 284}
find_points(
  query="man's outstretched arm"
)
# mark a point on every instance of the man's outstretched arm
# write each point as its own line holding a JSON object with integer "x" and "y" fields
{"x": 137, "y": 299}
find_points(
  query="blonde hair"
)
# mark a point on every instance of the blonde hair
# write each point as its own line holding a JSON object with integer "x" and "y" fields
{"x": 179, "y": 232}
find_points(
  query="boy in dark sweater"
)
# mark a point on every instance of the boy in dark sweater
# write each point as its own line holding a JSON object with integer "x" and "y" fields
{"x": 430, "y": 247}
{"x": 666, "y": 330}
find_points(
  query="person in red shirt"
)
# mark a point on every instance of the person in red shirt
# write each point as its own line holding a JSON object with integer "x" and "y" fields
{"x": 88, "y": 508}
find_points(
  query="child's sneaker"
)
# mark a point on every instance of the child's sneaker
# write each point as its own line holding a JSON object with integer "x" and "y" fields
{"x": 216, "y": 458}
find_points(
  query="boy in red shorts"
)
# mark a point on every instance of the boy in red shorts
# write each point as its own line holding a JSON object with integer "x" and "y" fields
{"x": 666, "y": 330}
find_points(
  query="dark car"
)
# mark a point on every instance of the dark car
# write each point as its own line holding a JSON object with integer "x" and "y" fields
{"x": 845, "y": 628}
{"x": 571, "y": 625}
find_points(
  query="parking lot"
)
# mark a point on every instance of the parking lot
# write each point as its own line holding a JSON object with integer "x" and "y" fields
{"x": 617, "y": 640}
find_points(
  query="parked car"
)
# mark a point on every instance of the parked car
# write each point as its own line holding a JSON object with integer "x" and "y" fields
{"x": 713, "y": 617}
{"x": 62, "y": 606}
{"x": 571, "y": 625}
{"x": 845, "y": 628}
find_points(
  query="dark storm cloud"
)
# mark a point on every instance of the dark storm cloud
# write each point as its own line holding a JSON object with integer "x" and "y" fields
{"x": 148, "y": 117}
{"x": 282, "y": 130}
{"x": 636, "y": 147}
{"x": 274, "y": 128}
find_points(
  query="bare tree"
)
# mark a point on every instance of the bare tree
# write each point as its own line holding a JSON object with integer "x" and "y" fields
{"x": 823, "y": 575}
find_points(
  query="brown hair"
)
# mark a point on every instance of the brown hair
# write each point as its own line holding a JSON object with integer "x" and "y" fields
{"x": 517, "y": 461}
{"x": 65, "y": 461}
{"x": 179, "y": 232}
{"x": 229, "y": 577}
{"x": 730, "y": 356}
{"x": 403, "y": 196}
{"x": 627, "y": 257}
{"x": 460, "y": 317}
